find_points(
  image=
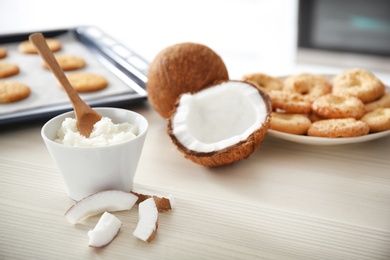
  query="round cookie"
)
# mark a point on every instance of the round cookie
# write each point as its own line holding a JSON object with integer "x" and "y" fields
{"x": 3, "y": 52}
{"x": 290, "y": 102}
{"x": 307, "y": 84}
{"x": 11, "y": 91}
{"x": 359, "y": 83}
{"x": 8, "y": 69}
{"x": 87, "y": 82}
{"x": 264, "y": 81}
{"x": 382, "y": 102}
{"x": 290, "y": 123}
{"x": 29, "y": 48}
{"x": 378, "y": 120}
{"x": 341, "y": 127}
{"x": 68, "y": 62}
{"x": 332, "y": 106}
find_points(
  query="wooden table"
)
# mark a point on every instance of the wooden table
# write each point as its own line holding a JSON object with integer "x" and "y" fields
{"x": 287, "y": 201}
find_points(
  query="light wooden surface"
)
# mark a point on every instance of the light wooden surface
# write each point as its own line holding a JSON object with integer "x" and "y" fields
{"x": 287, "y": 201}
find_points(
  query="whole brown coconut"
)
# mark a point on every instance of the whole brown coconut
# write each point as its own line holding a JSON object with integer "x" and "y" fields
{"x": 182, "y": 68}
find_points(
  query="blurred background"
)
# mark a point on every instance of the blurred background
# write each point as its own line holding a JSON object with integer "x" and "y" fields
{"x": 277, "y": 37}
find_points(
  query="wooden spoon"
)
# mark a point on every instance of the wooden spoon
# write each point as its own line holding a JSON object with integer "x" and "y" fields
{"x": 86, "y": 117}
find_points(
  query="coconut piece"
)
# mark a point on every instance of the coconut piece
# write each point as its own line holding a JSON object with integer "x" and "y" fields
{"x": 163, "y": 203}
{"x": 182, "y": 68}
{"x": 105, "y": 230}
{"x": 148, "y": 220}
{"x": 111, "y": 200}
{"x": 221, "y": 124}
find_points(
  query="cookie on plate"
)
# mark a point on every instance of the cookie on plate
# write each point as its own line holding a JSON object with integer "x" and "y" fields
{"x": 359, "y": 83}
{"x": 382, "y": 102}
{"x": 8, "y": 69}
{"x": 3, "y": 52}
{"x": 29, "y": 48}
{"x": 68, "y": 62}
{"x": 332, "y": 106}
{"x": 264, "y": 81}
{"x": 340, "y": 127}
{"x": 378, "y": 120}
{"x": 87, "y": 82}
{"x": 290, "y": 123}
{"x": 12, "y": 91}
{"x": 307, "y": 84}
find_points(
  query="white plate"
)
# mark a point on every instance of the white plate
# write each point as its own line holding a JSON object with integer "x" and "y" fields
{"x": 304, "y": 139}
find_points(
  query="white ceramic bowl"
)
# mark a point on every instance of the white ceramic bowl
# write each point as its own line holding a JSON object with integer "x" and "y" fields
{"x": 87, "y": 170}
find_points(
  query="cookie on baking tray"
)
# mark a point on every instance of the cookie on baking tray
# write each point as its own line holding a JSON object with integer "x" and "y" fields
{"x": 12, "y": 91}
{"x": 87, "y": 82}
{"x": 68, "y": 62}
{"x": 340, "y": 127}
{"x": 29, "y": 48}
{"x": 3, "y": 52}
{"x": 8, "y": 69}
{"x": 378, "y": 120}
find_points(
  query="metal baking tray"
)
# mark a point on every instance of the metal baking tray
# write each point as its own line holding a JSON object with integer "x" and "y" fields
{"x": 125, "y": 70}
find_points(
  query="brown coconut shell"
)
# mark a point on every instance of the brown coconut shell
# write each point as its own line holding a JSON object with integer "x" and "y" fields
{"x": 230, "y": 154}
{"x": 182, "y": 68}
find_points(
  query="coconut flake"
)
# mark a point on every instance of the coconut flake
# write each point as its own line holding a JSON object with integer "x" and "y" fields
{"x": 111, "y": 200}
{"x": 147, "y": 224}
{"x": 163, "y": 203}
{"x": 105, "y": 230}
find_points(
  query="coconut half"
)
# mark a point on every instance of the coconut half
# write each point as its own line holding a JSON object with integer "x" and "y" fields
{"x": 221, "y": 124}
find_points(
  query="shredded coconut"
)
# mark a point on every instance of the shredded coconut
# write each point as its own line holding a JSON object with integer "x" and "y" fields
{"x": 104, "y": 133}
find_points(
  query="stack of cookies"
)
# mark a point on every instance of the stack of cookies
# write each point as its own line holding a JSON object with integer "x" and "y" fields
{"x": 13, "y": 90}
{"x": 354, "y": 103}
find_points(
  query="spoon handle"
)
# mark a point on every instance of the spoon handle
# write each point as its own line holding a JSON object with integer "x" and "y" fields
{"x": 86, "y": 117}
{"x": 40, "y": 43}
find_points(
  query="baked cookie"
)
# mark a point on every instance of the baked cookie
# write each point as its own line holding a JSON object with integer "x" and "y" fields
{"x": 3, "y": 52}
{"x": 29, "y": 48}
{"x": 332, "y": 106}
{"x": 359, "y": 83}
{"x": 378, "y": 120}
{"x": 290, "y": 102}
{"x": 290, "y": 123}
{"x": 87, "y": 82}
{"x": 12, "y": 91}
{"x": 8, "y": 69}
{"x": 307, "y": 84}
{"x": 341, "y": 127}
{"x": 264, "y": 81}
{"x": 382, "y": 102}
{"x": 68, "y": 62}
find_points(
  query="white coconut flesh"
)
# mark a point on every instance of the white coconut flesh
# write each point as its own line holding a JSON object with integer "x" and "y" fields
{"x": 105, "y": 230}
{"x": 219, "y": 116}
{"x": 147, "y": 224}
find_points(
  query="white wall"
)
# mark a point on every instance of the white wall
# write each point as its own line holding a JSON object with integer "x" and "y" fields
{"x": 250, "y": 35}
